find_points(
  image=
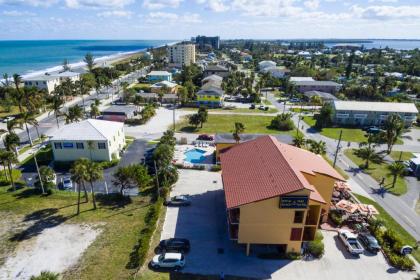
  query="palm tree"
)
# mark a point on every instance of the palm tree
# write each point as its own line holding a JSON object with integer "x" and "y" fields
{"x": 94, "y": 173}
{"x": 6, "y": 80}
{"x": 12, "y": 125}
{"x": 18, "y": 94}
{"x": 318, "y": 148}
{"x": 367, "y": 153}
{"x": 94, "y": 111}
{"x": 66, "y": 66}
{"x": 89, "y": 61}
{"x": 239, "y": 128}
{"x": 91, "y": 147}
{"x": 79, "y": 175}
{"x": 393, "y": 129}
{"x": 11, "y": 142}
{"x": 29, "y": 118}
{"x": 299, "y": 141}
{"x": 396, "y": 169}
{"x": 74, "y": 114}
{"x": 9, "y": 158}
{"x": 56, "y": 105}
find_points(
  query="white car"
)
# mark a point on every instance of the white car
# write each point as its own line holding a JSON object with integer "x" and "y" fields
{"x": 8, "y": 119}
{"x": 67, "y": 183}
{"x": 168, "y": 260}
{"x": 350, "y": 241}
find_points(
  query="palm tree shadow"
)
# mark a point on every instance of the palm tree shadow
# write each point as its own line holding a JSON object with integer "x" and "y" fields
{"x": 39, "y": 221}
{"x": 113, "y": 201}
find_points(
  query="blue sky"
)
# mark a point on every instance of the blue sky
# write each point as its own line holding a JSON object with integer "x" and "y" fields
{"x": 181, "y": 19}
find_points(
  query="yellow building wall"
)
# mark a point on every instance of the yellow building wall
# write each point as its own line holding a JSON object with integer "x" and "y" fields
{"x": 220, "y": 147}
{"x": 324, "y": 185}
{"x": 264, "y": 222}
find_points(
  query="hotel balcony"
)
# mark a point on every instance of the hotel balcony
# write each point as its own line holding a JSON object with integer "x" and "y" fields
{"x": 312, "y": 215}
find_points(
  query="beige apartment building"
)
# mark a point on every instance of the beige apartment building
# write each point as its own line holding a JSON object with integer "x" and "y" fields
{"x": 181, "y": 54}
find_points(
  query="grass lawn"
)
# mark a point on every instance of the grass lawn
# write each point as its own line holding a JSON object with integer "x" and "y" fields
{"x": 266, "y": 102}
{"x": 404, "y": 156}
{"x": 390, "y": 223}
{"x": 236, "y": 110}
{"x": 225, "y": 124}
{"x": 112, "y": 255}
{"x": 349, "y": 134}
{"x": 378, "y": 171}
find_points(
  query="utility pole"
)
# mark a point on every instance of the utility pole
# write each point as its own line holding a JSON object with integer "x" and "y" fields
{"x": 338, "y": 148}
{"x": 157, "y": 180}
{"x": 39, "y": 174}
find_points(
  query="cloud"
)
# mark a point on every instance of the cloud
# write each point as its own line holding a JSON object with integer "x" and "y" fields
{"x": 14, "y": 13}
{"x": 159, "y": 17}
{"x": 35, "y": 3}
{"x": 98, "y": 3}
{"x": 215, "y": 5}
{"x": 160, "y": 4}
{"x": 266, "y": 7}
{"x": 311, "y": 4}
{"x": 386, "y": 12}
{"x": 383, "y": 1}
{"x": 121, "y": 14}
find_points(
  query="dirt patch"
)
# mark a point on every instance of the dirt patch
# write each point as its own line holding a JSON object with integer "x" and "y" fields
{"x": 55, "y": 249}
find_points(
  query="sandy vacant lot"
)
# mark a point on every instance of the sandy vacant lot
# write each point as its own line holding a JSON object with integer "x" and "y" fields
{"x": 55, "y": 249}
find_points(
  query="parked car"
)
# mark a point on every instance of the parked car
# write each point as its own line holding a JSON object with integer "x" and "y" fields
{"x": 8, "y": 119}
{"x": 67, "y": 183}
{"x": 252, "y": 107}
{"x": 350, "y": 241}
{"x": 294, "y": 100}
{"x": 370, "y": 242}
{"x": 205, "y": 137}
{"x": 373, "y": 129}
{"x": 179, "y": 245}
{"x": 261, "y": 107}
{"x": 179, "y": 200}
{"x": 266, "y": 108}
{"x": 168, "y": 260}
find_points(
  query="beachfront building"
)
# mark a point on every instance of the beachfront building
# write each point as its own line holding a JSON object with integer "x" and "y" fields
{"x": 276, "y": 194}
{"x": 205, "y": 42}
{"x": 49, "y": 81}
{"x": 216, "y": 70}
{"x": 43, "y": 82}
{"x": 363, "y": 113}
{"x": 164, "y": 87}
{"x": 182, "y": 54}
{"x": 158, "y": 76}
{"x": 310, "y": 85}
{"x": 97, "y": 140}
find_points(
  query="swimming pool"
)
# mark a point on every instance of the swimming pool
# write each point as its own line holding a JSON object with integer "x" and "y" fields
{"x": 195, "y": 156}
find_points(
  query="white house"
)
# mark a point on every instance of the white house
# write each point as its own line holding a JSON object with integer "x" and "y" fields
{"x": 97, "y": 140}
{"x": 73, "y": 76}
{"x": 266, "y": 64}
{"x": 43, "y": 82}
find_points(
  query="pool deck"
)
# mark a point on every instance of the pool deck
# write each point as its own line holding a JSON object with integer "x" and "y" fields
{"x": 180, "y": 157}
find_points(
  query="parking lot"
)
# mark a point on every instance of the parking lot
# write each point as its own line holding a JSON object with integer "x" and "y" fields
{"x": 204, "y": 224}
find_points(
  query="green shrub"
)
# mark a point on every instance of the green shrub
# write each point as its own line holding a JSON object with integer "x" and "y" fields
{"x": 109, "y": 164}
{"x": 45, "y": 275}
{"x": 216, "y": 168}
{"x": 398, "y": 261}
{"x": 283, "y": 122}
{"x": 316, "y": 248}
{"x": 336, "y": 218}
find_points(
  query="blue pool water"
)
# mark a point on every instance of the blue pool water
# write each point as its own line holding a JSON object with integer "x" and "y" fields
{"x": 195, "y": 156}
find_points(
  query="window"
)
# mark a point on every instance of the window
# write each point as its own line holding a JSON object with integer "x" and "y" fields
{"x": 80, "y": 146}
{"x": 101, "y": 146}
{"x": 67, "y": 145}
{"x": 296, "y": 234}
{"x": 57, "y": 145}
{"x": 298, "y": 217}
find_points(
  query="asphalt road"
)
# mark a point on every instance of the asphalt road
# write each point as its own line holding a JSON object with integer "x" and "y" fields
{"x": 397, "y": 207}
{"x": 48, "y": 125}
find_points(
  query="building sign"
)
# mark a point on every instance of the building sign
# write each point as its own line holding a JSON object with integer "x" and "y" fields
{"x": 293, "y": 202}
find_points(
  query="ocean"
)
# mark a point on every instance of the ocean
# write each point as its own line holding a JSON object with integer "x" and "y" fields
{"x": 30, "y": 57}
{"x": 380, "y": 43}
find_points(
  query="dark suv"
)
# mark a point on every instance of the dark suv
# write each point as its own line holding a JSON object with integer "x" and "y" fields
{"x": 180, "y": 245}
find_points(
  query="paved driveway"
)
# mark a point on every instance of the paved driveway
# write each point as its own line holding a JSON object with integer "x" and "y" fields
{"x": 204, "y": 224}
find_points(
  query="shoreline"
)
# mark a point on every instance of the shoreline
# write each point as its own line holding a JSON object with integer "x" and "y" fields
{"x": 108, "y": 59}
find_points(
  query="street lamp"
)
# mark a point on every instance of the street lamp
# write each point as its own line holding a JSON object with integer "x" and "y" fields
{"x": 37, "y": 170}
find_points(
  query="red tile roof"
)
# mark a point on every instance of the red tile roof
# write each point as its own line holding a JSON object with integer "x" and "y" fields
{"x": 264, "y": 168}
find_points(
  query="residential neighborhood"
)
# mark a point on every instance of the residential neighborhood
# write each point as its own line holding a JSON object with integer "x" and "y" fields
{"x": 214, "y": 159}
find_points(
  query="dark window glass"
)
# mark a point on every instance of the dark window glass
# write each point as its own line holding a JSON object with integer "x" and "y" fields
{"x": 80, "y": 146}
{"x": 68, "y": 145}
{"x": 101, "y": 146}
{"x": 298, "y": 217}
{"x": 57, "y": 146}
